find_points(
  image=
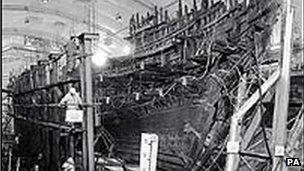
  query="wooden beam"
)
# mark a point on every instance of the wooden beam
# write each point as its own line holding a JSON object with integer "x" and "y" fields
{"x": 45, "y": 87}
{"x": 43, "y": 123}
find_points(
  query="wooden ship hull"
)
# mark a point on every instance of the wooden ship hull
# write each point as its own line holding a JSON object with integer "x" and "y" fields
{"x": 179, "y": 81}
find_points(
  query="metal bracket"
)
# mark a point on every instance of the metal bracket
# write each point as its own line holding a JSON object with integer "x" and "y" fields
{"x": 279, "y": 151}
{"x": 233, "y": 147}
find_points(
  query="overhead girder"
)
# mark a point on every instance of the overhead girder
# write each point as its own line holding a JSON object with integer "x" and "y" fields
{"x": 150, "y": 6}
{"x": 36, "y": 33}
{"x": 36, "y": 9}
{"x": 25, "y": 48}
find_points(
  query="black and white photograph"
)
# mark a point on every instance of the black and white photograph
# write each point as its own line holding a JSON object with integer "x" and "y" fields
{"x": 152, "y": 85}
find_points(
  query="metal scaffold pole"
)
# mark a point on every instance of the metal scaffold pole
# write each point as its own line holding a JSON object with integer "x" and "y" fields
{"x": 233, "y": 145}
{"x": 83, "y": 93}
{"x": 10, "y": 159}
{"x": 233, "y": 158}
{"x": 84, "y": 139}
{"x": 88, "y": 146}
{"x": 282, "y": 93}
{"x": 90, "y": 124}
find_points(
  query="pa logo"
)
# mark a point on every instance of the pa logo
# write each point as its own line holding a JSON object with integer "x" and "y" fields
{"x": 293, "y": 162}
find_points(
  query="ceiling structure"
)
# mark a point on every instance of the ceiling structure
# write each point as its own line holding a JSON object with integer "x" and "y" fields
{"x": 33, "y": 28}
{"x": 59, "y": 19}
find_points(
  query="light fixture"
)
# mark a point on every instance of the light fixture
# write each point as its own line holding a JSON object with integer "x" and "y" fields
{"x": 127, "y": 49}
{"x": 100, "y": 58}
{"x": 118, "y": 17}
{"x": 27, "y": 20}
{"x": 45, "y": 1}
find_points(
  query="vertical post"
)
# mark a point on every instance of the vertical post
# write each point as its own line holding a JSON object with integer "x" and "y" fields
{"x": 89, "y": 111}
{"x": 137, "y": 20}
{"x": 282, "y": 94}
{"x": 94, "y": 15}
{"x": 185, "y": 51}
{"x": 180, "y": 9}
{"x": 84, "y": 123}
{"x": 87, "y": 39}
{"x": 166, "y": 16}
{"x": 194, "y": 5}
{"x": 1, "y": 138}
{"x": 71, "y": 145}
{"x": 83, "y": 92}
{"x": 156, "y": 15}
{"x": 161, "y": 14}
{"x": 18, "y": 164}
{"x": 233, "y": 145}
{"x": 9, "y": 159}
{"x": 229, "y": 4}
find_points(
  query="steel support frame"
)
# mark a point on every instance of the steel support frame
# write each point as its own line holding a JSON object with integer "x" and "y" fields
{"x": 281, "y": 106}
{"x": 233, "y": 145}
{"x": 87, "y": 92}
{"x": 282, "y": 93}
{"x": 234, "y": 140}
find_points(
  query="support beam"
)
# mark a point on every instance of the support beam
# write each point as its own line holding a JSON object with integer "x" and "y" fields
{"x": 282, "y": 94}
{"x": 44, "y": 123}
{"x": 87, "y": 40}
{"x": 84, "y": 134}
